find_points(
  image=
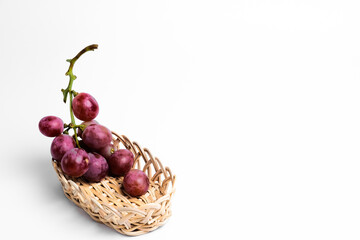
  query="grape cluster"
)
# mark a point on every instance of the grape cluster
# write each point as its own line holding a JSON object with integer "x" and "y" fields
{"x": 90, "y": 153}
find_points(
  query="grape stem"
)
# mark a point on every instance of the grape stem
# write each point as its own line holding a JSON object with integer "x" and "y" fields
{"x": 69, "y": 90}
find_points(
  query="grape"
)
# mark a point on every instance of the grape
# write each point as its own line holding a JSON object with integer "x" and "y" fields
{"x": 51, "y": 126}
{"x": 75, "y": 162}
{"x": 85, "y": 107}
{"x": 96, "y": 136}
{"x": 106, "y": 151}
{"x": 60, "y": 145}
{"x": 136, "y": 183}
{"x": 120, "y": 162}
{"x": 86, "y": 124}
{"x": 98, "y": 168}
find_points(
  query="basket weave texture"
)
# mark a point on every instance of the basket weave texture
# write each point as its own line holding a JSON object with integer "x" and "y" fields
{"x": 106, "y": 202}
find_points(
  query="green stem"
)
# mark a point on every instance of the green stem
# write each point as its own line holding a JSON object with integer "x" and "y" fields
{"x": 69, "y": 90}
{"x": 73, "y": 120}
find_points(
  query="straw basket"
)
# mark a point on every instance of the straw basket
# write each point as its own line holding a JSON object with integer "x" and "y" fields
{"x": 106, "y": 202}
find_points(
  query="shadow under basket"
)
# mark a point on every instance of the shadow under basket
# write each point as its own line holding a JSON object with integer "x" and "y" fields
{"x": 106, "y": 201}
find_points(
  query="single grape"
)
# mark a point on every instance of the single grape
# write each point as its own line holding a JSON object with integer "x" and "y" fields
{"x": 75, "y": 162}
{"x": 60, "y": 145}
{"x": 120, "y": 162}
{"x": 51, "y": 126}
{"x": 98, "y": 168}
{"x": 106, "y": 151}
{"x": 96, "y": 136}
{"x": 85, "y": 107}
{"x": 136, "y": 183}
{"x": 86, "y": 124}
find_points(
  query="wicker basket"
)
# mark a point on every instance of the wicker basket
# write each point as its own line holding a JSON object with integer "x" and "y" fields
{"x": 106, "y": 202}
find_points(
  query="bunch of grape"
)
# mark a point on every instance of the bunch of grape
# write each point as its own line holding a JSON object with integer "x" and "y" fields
{"x": 90, "y": 153}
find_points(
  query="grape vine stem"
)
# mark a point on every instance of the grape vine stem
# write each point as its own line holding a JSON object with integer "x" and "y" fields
{"x": 69, "y": 90}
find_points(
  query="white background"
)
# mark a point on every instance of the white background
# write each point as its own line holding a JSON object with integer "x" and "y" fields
{"x": 254, "y": 105}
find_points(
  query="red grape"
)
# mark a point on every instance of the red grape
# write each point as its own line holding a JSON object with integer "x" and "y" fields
{"x": 106, "y": 151}
{"x": 60, "y": 145}
{"x": 136, "y": 183}
{"x": 98, "y": 168}
{"x": 96, "y": 136}
{"x": 86, "y": 124}
{"x": 85, "y": 107}
{"x": 51, "y": 126}
{"x": 120, "y": 162}
{"x": 75, "y": 162}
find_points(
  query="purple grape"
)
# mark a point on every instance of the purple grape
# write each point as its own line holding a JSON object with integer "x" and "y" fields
{"x": 60, "y": 145}
{"x": 136, "y": 183}
{"x": 75, "y": 162}
{"x": 85, "y": 107}
{"x": 106, "y": 151}
{"x": 86, "y": 124}
{"x": 120, "y": 162}
{"x": 51, "y": 126}
{"x": 98, "y": 168}
{"x": 96, "y": 136}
